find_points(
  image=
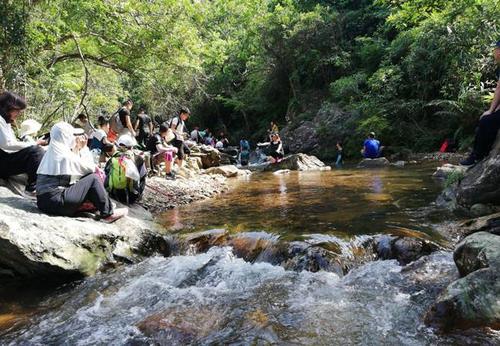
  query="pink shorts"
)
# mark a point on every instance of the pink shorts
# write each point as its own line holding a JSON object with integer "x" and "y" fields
{"x": 165, "y": 156}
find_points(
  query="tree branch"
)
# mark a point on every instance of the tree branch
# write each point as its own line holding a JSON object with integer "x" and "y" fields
{"x": 86, "y": 85}
{"x": 96, "y": 60}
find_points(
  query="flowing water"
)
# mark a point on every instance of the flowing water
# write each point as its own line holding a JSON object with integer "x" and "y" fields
{"x": 216, "y": 298}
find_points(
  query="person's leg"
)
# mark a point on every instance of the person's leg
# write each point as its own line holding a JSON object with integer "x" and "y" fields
{"x": 168, "y": 159}
{"x": 26, "y": 161}
{"x": 486, "y": 134}
{"x": 88, "y": 188}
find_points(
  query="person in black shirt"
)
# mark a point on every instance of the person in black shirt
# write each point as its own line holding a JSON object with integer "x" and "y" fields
{"x": 143, "y": 127}
{"x": 489, "y": 122}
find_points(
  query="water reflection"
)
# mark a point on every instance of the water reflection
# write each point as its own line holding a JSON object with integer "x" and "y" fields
{"x": 342, "y": 202}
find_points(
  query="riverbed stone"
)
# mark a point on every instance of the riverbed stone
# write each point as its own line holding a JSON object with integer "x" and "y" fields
{"x": 298, "y": 162}
{"x": 374, "y": 163}
{"x": 209, "y": 156}
{"x": 403, "y": 249}
{"x": 227, "y": 171}
{"x": 447, "y": 169}
{"x": 472, "y": 300}
{"x": 33, "y": 244}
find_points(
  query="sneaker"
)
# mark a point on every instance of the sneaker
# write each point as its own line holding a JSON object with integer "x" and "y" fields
{"x": 117, "y": 214}
{"x": 470, "y": 161}
{"x": 170, "y": 176}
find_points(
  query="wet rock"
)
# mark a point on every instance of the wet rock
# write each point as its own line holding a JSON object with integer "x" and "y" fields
{"x": 489, "y": 223}
{"x": 399, "y": 164}
{"x": 33, "y": 244}
{"x": 447, "y": 169}
{"x": 227, "y": 171}
{"x": 282, "y": 172}
{"x": 303, "y": 256}
{"x": 479, "y": 209}
{"x": 298, "y": 162}
{"x": 374, "y": 163}
{"x": 481, "y": 184}
{"x": 403, "y": 249}
{"x": 202, "y": 241}
{"x": 479, "y": 250}
{"x": 256, "y": 246}
{"x": 471, "y": 301}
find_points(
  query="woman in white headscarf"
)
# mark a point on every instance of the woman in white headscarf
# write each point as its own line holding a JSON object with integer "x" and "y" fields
{"x": 66, "y": 178}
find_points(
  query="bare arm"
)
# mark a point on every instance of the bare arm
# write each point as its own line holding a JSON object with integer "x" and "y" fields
{"x": 136, "y": 124}
{"x": 151, "y": 129}
{"x": 129, "y": 126}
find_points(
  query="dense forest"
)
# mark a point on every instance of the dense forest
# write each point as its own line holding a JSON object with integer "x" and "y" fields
{"x": 413, "y": 71}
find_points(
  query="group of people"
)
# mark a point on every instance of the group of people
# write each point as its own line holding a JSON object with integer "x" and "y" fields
{"x": 78, "y": 168}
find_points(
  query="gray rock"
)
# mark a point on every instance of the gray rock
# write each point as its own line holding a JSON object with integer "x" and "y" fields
{"x": 479, "y": 209}
{"x": 298, "y": 162}
{"x": 481, "y": 184}
{"x": 374, "y": 163}
{"x": 33, "y": 244}
{"x": 447, "y": 169}
{"x": 479, "y": 250}
{"x": 473, "y": 300}
{"x": 403, "y": 249}
{"x": 227, "y": 171}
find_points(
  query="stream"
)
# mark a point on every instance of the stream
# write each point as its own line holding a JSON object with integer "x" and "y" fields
{"x": 215, "y": 297}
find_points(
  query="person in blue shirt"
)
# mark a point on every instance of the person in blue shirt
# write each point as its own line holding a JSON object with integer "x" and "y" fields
{"x": 371, "y": 147}
{"x": 489, "y": 122}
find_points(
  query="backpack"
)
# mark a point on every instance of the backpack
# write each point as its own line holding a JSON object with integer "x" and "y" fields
{"x": 117, "y": 175}
{"x": 115, "y": 123}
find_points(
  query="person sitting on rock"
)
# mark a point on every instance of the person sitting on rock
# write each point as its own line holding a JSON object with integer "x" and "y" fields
{"x": 125, "y": 172}
{"x": 99, "y": 142}
{"x": 371, "y": 147}
{"x": 274, "y": 151}
{"x": 67, "y": 182}
{"x": 17, "y": 157}
{"x": 489, "y": 122}
{"x": 161, "y": 151}
{"x": 82, "y": 121}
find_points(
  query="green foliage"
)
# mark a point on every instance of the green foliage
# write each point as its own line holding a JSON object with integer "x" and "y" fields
{"x": 454, "y": 178}
{"x": 415, "y": 72}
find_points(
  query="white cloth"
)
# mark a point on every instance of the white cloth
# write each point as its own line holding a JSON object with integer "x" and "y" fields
{"x": 194, "y": 135}
{"x": 99, "y": 134}
{"x": 60, "y": 158}
{"x": 8, "y": 141}
{"x": 219, "y": 145}
{"x": 177, "y": 125}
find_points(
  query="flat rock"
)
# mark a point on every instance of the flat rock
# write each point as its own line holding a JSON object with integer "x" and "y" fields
{"x": 298, "y": 162}
{"x": 447, "y": 169}
{"x": 227, "y": 171}
{"x": 374, "y": 163}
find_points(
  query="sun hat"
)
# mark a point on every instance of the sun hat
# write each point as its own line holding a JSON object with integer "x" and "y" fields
{"x": 29, "y": 127}
{"x": 126, "y": 141}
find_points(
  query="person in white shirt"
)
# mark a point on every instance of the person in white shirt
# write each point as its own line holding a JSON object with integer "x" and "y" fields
{"x": 17, "y": 157}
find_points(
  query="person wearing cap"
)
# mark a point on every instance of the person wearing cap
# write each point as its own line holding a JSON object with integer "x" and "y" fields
{"x": 17, "y": 157}
{"x": 135, "y": 171}
{"x": 28, "y": 130}
{"x": 66, "y": 181}
{"x": 177, "y": 125}
{"x": 489, "y": 122}
{"x": 371, "y": 147}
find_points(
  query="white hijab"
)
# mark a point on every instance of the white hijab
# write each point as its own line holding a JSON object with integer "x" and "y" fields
{"x": 60, "y": 158}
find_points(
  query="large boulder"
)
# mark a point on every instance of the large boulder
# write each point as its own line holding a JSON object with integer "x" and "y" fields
{"x": 209, "y": 156}
{"x": 33, "y": 244}
{"x": 320, "y": 134}
{"x": 473, "y": 300}
{"x": 298, "y": 162}
{"x": 481, "y": 184}
{"x": 374, "y": 163}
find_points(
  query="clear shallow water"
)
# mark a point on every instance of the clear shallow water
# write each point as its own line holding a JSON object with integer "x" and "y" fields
{"x": 216, "y": 298}
{"x": 340, "y": 202}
